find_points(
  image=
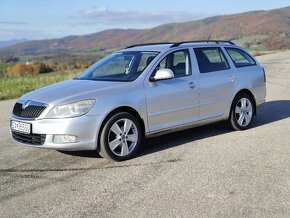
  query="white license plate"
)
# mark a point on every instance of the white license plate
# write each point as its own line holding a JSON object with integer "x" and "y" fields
{"x": 21, "y": 127}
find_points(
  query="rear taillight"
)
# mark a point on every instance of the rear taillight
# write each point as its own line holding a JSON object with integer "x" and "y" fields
{"x": 264, "y": 72}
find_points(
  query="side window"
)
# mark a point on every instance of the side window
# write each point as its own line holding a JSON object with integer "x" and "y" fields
{"x": 240, "y": 58}
{"x": 162, "y": 64}
{"x": 210, "y": 60}
{"x": 145, "y": 60}
{"x": 178, "y": 62}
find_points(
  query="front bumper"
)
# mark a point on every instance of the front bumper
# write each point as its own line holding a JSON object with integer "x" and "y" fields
{"x": 85, "y": 127}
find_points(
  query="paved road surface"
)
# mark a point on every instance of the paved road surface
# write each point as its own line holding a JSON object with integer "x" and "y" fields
{"x": 202, "y": 172}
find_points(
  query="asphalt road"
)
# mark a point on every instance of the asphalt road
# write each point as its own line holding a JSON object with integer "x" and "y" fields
{"x": 202, "y": 172}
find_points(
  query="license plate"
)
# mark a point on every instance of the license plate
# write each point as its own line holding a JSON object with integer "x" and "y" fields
{"x": 21, "y": 127}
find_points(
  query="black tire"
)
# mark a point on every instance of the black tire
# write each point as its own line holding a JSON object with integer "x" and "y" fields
{"x": 233, "y": 118}
{"x": 104, "y": 149}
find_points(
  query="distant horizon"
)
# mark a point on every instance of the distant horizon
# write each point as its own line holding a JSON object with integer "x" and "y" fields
{"x": 82, "y": 19}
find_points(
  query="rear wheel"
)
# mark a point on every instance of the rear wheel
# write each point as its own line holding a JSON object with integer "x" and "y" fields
{"x": 121, "y": 137}
{"x": 242, "y": 112}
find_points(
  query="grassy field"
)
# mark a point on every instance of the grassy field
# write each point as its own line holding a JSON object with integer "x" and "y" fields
{"x": 249, "y": 39}
{"x": 14, "y": 87}
{"x": 3, "y": 67}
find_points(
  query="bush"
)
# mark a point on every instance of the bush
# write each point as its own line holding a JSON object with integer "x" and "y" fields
{"x": 20, "y": 70}
{"x": 31, "y": 69}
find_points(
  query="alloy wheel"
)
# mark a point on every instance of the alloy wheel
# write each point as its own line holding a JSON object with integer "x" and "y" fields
{"x": 123, "y": 137}
{"x": 244, "y": 112}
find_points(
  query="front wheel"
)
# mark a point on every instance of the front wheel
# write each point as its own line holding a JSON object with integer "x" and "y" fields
{"x": 121, "y": 137}
{"x": 242, "y": 112}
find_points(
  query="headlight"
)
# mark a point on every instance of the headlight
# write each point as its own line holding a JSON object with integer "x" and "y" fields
{"x": 71, "y": 110}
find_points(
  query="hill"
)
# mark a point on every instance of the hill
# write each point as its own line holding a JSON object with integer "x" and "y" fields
{"x": 12, "y": 42}
{"x": 257, "y": 30}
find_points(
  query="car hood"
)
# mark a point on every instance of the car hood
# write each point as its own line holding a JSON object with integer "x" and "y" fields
{"x": 70, "y": 91}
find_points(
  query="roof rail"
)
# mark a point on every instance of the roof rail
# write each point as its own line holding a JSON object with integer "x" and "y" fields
{"x": 206, "y": 41}
{"x": 160, "y": 43}
{"x": 176, "y": 44}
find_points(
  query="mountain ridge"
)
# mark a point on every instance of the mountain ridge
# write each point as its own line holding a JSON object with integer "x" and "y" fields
{"x": 12, "y": 42}
{"x": 268, "y": 29}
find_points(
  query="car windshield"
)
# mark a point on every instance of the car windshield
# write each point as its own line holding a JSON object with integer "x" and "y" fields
{"x": 121, "y": 66}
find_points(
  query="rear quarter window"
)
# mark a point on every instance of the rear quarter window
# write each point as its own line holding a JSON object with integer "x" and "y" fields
{"x": 240, "y": 58}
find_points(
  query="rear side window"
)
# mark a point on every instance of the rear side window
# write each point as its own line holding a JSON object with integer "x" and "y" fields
{"x": 210, "y": 60}
{"x": 240, "y": 58}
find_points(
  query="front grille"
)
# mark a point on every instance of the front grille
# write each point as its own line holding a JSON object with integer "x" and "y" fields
{"x": 31, "y": 139}
{"x": 31, "y": 111}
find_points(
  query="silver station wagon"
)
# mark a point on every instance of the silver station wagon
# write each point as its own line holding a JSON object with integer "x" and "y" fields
{"x": 142, "y": 91}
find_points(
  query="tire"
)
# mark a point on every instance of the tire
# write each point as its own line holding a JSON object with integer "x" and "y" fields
{"x": 121, "y": 137}
{"x": 242, "y": 112}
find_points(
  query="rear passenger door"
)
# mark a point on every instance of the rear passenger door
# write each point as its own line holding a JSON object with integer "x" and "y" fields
{"x": 216, "y": 81}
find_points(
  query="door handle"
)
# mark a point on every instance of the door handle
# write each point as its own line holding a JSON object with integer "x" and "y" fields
{"x": 233, "y": 78}
{"x": 192, "y": 85}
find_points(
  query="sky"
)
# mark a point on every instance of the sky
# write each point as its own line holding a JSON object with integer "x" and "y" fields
{"x": 44, "y": 19}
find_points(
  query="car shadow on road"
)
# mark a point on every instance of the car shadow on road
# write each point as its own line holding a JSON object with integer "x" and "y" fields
{"x": 87, "y": 154}
{"x": 272, "y": 111}
{"x": 268, "y": 113}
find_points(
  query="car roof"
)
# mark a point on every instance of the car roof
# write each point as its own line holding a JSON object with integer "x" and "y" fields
{"x": 163, "y": 47}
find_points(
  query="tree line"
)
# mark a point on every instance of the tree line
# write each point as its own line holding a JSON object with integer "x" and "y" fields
{"x": 32, "y": 65}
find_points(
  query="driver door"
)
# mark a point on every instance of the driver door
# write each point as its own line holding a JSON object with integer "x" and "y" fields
{"x": 176, "y": 101}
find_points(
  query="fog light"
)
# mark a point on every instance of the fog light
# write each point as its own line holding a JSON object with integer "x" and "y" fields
{"x": 64, "y": 139}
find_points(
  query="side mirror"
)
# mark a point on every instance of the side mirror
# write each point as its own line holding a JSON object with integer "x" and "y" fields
{"x": 162, "y": 74}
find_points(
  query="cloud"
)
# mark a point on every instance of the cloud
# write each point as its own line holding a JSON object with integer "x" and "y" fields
{"x": 5, "y": 22}
{"x": 118, "y": 16}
